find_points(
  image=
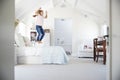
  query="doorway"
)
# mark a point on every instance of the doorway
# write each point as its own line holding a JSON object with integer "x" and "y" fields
{"x": 63, "y": 34}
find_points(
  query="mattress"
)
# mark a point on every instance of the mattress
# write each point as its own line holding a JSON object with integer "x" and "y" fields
{"x": 46, "y": 54}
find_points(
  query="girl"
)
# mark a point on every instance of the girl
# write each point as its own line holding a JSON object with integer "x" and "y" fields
{"x": 39, "y": 14}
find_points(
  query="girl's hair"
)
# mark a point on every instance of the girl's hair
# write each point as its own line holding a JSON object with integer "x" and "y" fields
{"x": 38, "y": 12}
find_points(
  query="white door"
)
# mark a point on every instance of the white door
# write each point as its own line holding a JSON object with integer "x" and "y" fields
{"x": 63, "y": 33}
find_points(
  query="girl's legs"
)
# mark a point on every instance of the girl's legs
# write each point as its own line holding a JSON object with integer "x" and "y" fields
{"x": 41, "y": 33}
{"x": 38, "y": 31}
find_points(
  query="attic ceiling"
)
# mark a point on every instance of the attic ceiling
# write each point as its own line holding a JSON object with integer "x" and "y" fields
{"x": 92, "y": 7}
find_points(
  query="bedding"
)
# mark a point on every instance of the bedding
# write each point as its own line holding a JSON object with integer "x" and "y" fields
{"x": 41, "y": 55}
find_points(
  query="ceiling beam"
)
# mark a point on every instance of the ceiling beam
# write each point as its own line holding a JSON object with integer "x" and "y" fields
{"x": 76, "y": 1}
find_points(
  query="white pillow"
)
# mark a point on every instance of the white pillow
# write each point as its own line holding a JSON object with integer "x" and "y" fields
{"x": 27, "y": 41}
{"x": 19, "y": 40}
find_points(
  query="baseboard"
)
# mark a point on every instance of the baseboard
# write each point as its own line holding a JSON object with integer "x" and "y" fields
{"x": 86, "y": 57}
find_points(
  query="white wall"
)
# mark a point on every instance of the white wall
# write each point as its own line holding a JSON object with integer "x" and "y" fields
{"x": 6, "y": 40}
{"x": 84, "y": 31}
{"x": 104, "y": 29}
{"x": 84, "y": 28}
{"x": 115, "y": 38}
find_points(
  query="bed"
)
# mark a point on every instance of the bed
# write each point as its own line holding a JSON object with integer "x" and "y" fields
{"x": 41, "y": 55}
{"x": 27, "y": 52}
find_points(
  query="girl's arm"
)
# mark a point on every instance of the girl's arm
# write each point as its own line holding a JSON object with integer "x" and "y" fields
{"x": 36, "y": 13}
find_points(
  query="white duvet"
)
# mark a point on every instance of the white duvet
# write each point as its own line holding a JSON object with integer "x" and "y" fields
{"x": 48, "y": 54}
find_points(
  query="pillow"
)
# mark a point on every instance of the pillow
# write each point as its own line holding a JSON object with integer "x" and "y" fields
{"x": 19, "y": 40}
{"x": 27, "y": 41}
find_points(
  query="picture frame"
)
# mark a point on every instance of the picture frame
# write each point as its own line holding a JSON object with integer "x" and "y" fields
{"x": 33, "y": 35}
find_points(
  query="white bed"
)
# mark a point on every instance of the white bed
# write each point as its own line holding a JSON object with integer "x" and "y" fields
{"x": 41, "y": 55}
{"x": 34, "y": 53}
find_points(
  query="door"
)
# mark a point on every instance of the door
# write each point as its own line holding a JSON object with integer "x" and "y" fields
{"x": 63, "y": 34}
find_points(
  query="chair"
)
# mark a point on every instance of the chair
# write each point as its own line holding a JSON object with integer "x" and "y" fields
{"x": 94, "y": 48}
{"x": 100, "y": 46}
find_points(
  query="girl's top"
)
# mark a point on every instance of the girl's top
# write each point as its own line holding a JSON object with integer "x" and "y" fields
{"x": 39, "y": 20}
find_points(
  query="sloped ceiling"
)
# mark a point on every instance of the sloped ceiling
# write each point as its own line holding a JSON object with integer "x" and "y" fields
{"x": 97, "y": 8}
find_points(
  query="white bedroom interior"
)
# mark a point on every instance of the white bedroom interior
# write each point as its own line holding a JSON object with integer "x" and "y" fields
{"x": 7, "y": 47}
{"x": 72, "y": 24}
